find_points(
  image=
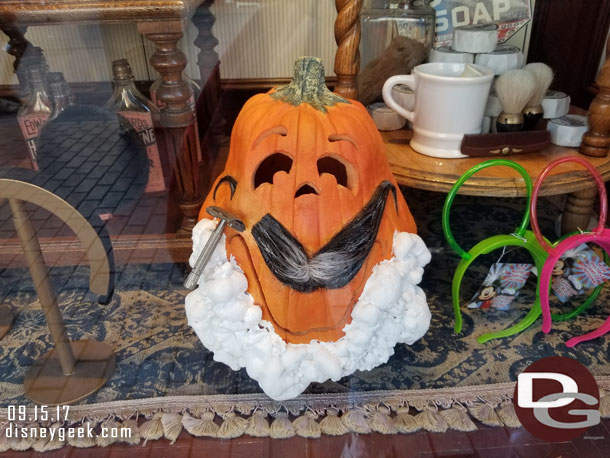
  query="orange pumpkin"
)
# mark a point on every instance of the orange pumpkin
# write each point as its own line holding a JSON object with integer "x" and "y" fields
{"x": 306, "y": 170}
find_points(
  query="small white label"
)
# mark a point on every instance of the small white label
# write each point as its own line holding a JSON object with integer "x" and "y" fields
{"x": 554, "y": 95}
{"x": 571, "y": 120}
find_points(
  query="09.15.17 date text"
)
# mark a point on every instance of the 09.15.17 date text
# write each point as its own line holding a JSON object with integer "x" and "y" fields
{"x": 37, "y": 413}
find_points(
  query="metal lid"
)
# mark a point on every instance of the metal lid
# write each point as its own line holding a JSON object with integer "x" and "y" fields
{"x": 122, "y": 70}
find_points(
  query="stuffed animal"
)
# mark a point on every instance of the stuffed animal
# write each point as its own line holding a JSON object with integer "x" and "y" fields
{"x": 399, "y": 58}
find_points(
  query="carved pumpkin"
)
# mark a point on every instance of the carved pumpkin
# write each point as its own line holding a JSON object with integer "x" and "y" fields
{"x": 308, "y": 176}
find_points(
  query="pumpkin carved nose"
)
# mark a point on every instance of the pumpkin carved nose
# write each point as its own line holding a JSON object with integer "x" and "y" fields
{"x": 306, "y": 189}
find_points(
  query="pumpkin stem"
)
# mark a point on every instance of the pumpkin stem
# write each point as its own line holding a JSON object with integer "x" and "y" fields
{"x": 308, "y": 85}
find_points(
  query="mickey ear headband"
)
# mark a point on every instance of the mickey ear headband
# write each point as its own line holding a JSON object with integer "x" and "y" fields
{"x": 599, "y": 236}
{"x": 521, "y": 237}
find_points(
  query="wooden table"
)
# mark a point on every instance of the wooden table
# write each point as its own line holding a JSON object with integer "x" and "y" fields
{"x": 433, "y": 174}
{"x": 163, "y": 23}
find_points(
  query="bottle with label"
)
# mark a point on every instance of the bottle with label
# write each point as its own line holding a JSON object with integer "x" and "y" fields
{"x": 136, "y": 113}
{"x": 61, "y": 95}
{"x": 32, "y": 57}
{"x": 154, "y": 87}
{"x": 384, "y": 20}
{"x": 35, "y": 111}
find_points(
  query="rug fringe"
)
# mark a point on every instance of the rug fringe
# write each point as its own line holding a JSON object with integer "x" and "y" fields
{"x": 380, "y": 421}
{"x": 604, "y": 406}
{"x": 332, "y": 425}
{"x": 83, "y": 442}
{"x": 5, "y": 444}
{"x": 21, "y": 444}
{"x": 282, "y": 427}
{"x": 457, "y": 418}
{"x": 355, "y": 421}
{"x": 108, "y": 440}
{"x": 404, "y": 422}
{"x": 201, "y": 427}
{"x": 172, "y": 426}
{"x": 507, "y": 414}
{"x": 307, "y": 426}
{"x": 258, "y": 426}
{"x": 227, "y": 420}
{"x": 133, "y": 436}
{"x": 431, "y": 421}
{"x": 232, "y": 426}
{"x": 485, "y": 413}
{"x": 152, "y": 429}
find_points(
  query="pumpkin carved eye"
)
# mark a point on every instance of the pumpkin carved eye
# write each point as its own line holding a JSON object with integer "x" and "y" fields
{"x": 335, "y": 167}
{"x": 277, "y": 162}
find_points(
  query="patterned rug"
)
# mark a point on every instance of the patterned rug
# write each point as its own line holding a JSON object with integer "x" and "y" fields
{"x": 163, "y": 369}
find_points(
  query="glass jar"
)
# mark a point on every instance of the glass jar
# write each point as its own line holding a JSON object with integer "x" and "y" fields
{"x": 382, "y": 20}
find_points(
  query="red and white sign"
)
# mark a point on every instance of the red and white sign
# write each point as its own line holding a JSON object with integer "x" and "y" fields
{"x": 143, "y": 125}
{"x": 31, "y": 125}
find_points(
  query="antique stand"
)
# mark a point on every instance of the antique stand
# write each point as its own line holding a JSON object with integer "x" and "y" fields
{"x": 72, "y": 370}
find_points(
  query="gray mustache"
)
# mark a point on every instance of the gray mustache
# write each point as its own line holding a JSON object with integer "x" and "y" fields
{"x": 337, "y": 262}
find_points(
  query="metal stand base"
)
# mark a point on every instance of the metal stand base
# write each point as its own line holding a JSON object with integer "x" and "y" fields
{"x": 46, "y": 384}
{"x": 6, "y": 320}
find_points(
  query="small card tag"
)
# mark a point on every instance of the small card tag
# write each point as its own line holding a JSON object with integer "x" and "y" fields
{"x": 578, "y": 271}
{"x": 501, "y": 286}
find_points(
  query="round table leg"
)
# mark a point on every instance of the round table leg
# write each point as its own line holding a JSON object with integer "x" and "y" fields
{"x": 578, "y": 211}
{"x": 45, "y": 382}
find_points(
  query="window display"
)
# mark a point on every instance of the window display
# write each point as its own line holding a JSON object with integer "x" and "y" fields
{"x": 209, "y": 241}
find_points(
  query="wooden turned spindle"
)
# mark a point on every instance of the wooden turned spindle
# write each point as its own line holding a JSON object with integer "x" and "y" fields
{"x": 17, "y": 43}
{"x": 177, "y": 117}
{"x": 16, "y": 47}
{"x": 347, "y": 36}
{"x": 597, "y": 140}
{"x": 207, "y": 59}
{"x": 578, "y": 210}
{"x": 210, "y": 129}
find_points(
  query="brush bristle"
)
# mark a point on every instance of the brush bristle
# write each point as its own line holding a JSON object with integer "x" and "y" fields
{"x": 515, "y": 88}
{"x": 544, "y": 78}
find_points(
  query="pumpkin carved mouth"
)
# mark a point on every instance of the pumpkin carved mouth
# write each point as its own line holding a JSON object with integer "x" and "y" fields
{"x": 336, "y": 263}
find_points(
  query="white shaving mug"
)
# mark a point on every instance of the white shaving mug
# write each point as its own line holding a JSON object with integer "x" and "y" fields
{"x": 447, "y": 105}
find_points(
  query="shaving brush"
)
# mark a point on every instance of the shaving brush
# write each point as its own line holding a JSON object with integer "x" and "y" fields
{"x": 533, "y": 112}
{"x": 514, "y": 89}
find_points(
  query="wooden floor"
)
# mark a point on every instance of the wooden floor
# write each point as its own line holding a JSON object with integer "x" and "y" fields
{"x": 487, "y": 442}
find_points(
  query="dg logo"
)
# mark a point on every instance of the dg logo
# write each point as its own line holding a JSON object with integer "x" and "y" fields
{"x": 557, "y": 399}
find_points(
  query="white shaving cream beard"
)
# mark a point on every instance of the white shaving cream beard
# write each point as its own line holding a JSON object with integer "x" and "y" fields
{"x": 391, "y": 309}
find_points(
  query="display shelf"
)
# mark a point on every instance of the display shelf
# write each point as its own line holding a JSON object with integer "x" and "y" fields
{"x": 433, "y": 174}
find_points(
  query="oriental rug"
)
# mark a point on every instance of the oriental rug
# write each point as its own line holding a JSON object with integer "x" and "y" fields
{"x": 169, "y": 381}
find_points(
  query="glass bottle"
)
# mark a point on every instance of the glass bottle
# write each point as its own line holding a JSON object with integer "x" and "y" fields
{"x": 32, "y": 57}
{"x": 35, "y": 111}
{"x": 383, "y": 20}
{"x": 136, "y": 113}
{"x": 61, "y": 95}
{"x": 154, "y": 88}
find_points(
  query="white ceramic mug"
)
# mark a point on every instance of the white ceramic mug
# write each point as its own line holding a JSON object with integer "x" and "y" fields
{"x": 447, "y": 105}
